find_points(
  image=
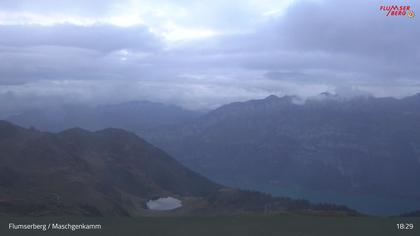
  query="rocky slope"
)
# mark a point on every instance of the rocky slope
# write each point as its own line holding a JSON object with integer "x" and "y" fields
{"x": 363, "y": 145}
{"x": 112, "y": 173}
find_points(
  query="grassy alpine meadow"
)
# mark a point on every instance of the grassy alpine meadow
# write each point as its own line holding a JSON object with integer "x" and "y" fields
{"x": 244, "y": 225}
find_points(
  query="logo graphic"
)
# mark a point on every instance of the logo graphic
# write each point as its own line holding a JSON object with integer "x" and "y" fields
{"x": 410, "y": 13}
{"x": 397, "y": 10}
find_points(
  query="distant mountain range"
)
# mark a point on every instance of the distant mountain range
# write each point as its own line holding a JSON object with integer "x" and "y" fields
{"x": 136, "y": 116}
{"x": 112, "y": 173}
{"x": 357, "y": 148}
{"x": 363, "y": 146}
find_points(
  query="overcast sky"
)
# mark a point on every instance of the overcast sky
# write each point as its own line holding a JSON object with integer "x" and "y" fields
{"x": 201, "y": 54}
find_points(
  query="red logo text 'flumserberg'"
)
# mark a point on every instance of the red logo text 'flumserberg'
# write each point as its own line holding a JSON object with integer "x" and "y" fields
{"x": 397, "y": 10}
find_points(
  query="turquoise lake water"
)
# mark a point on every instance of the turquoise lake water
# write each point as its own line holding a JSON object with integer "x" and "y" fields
{"x": 369, "y": 204}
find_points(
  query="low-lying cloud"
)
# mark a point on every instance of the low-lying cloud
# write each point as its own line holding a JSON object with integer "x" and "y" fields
{"x": 311, "y": 47}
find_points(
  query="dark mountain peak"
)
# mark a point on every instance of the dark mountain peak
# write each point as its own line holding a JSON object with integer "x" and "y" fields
{"x": 273, "y": 102}
{"x": 6, "y": 125}
{"x": 285, "y": 98}
{"x": 96, "y": 168}
{"x": 252, "y": 105}
{"x": 272, "y": 97}
{"x": 76, "y": 131}
{"x": 266, "y": 104}
{"x": 103, "y": 138}
{"x": 8, "y": 129}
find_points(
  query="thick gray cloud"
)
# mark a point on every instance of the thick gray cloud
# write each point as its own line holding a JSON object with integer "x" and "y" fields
{"x": 344, "y": 35}
{"x": 335, "y": 42}
{"x": 65, "y": 52}
{"x": 216, "y": 14}
{"x": 79, "y": 7}
{"x": 95, "y": 37}
{"x": 348, "y": 46}
{"x": 358, "y": 29}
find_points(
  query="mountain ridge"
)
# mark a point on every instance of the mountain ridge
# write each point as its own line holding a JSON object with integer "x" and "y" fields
{"x": 113, "y": 172}
{"x": 363, "y": 145}
{"x": 136, "y": 116}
